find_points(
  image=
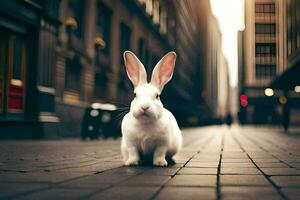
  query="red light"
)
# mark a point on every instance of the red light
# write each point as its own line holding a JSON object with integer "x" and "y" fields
{"x": 243, "y": 97}
{"x": 244, "y": 103}
{"x": 244, "y": 100}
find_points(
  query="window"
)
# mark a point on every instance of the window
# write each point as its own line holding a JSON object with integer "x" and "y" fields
{"x": 16, "y": 72}
{"x": 3, "y": 64}
{"x": 142, "y": 51}
{"x": 293, "y": 21}
{"x": 73, "y": 72}
{"x": 265, "y": 28}
{"x": 265, "y": 70}
{"x": 156, "y": 16}
{"x": 264, "y": 8}
{"x": 100, "y": 89}
{"x": 125, "y": 38}
{"x": 163, "y": 21}
{"x": 76, "y": 8}
{"x": 265, "y": 49}
{"x": 13, "y": 59}
{"x": 104, "y": 25}
{"x": 149, "y": 7}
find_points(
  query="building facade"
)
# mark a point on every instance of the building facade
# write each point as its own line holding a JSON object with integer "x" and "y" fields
{"x": 265, "y": 52}
{"x": 288, "y": 82}
{"x": 215, "y": 81}
{"x": 28, "y": 33}
{"x": 74, "y": 58}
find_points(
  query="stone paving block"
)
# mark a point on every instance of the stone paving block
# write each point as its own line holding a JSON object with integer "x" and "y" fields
{"x": 249, "y": 193}
{"x": 193, "y": 180}
{"x": 180, "y": 193}
{"x": 202, "y": 164}
{"x": 236, "y": 170}
{"x": 241, "y": 165}
{"x": 243, "y": 180}
{"x": 92, "y": 168}
{"x": 170, "y": 171}
{"x": 265, "y": 160}
{"x": 142, "y": 180}
{"x": 7, "y": 190}
{"x": 99, "y": 181}
{"x": 292, "y": 193}
{"x": 182, "y": 162}
{"x": 127, "y": 170}
{"x": 234, "y": 155}
{"x": 211, "y": 171}
{"x": 126, "y": 192}
{"x": 272, "y": 165}
{"x": 40, "y": 177}
{"x": 206, "y": 158}
{"x": 287, "y": 181}
{"x": 262, "y": 156}
{"x": 280, "y": 171}
{"x": 176, "y": 165}
{"x": 296, "y": 165}
{"x": 232, "y": 160}
{"x": 58, "y": 193}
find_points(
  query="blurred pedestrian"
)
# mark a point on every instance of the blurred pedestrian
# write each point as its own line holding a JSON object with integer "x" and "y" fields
{"x": 228, "y": 119}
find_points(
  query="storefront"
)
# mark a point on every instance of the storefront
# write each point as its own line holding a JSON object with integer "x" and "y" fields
{"x": 23, "y": 25}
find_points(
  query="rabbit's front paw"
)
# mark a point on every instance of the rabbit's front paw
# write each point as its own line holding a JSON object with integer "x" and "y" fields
{"x": 132, "y": 162}
{"x": 160, "y": 162}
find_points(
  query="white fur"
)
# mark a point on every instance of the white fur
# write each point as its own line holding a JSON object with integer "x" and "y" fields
{"x": 154, "y": 131}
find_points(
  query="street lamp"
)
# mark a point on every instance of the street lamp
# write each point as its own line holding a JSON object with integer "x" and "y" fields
{"x": 282, "y": 100}
{"x": 269, "y": 92}
{"x": 297, "y": 89}
{"x": 99, "y": 43}
{"x": 71, "y": 24}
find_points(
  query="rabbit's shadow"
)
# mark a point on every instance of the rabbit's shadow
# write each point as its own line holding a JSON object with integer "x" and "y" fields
{"x": 148, "y": 161}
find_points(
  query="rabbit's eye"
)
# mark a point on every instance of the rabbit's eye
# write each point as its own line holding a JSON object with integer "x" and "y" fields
{"x": 157, "y": 96}
{"x": 134, "y": 94}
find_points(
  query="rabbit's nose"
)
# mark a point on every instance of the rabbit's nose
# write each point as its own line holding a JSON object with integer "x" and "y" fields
{"x": 145, "y": 108}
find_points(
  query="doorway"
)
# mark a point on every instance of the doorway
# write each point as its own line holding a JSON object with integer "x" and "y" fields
{"x": 13, "y": 59}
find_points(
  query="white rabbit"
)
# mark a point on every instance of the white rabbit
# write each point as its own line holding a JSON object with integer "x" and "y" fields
{"x": 149, "y": 130}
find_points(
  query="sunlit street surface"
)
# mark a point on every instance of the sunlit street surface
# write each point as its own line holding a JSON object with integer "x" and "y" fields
{"x": 216, "y": 163}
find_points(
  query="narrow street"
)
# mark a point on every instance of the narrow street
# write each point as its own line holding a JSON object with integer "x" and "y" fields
{"x": 215, "y": 163}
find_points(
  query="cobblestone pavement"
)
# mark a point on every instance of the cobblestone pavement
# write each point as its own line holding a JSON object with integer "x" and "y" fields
{"x": 215, "y": 163}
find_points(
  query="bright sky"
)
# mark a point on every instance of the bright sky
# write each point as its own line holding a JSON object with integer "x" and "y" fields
{"x": 230, "y": 16}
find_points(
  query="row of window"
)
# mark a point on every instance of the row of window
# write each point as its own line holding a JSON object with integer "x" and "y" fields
{"x": 262, "y": 28}
{"x": 265, "y": 49}
{"x": 265, "y": 8}
{"x": 265, "y": 70}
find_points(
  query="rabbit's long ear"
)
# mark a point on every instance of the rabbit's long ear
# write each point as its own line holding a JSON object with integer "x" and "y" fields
{"x": 163, "y": 70}
{"x": 135, "y": 69}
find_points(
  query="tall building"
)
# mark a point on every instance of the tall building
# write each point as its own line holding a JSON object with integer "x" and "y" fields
{"x": 267, "y": 53}
{"x": 215, "y": 81}
{"x": 288, "y": 81}
{"x": 261, "y": 59}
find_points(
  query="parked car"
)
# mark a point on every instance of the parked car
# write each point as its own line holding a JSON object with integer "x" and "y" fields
{"x": 101, "y": 120}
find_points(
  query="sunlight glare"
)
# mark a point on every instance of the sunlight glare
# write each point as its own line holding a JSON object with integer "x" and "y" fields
{"x": 230, "y": 16}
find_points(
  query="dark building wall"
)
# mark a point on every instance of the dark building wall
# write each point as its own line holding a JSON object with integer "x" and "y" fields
{"x": 26, "y": 74}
